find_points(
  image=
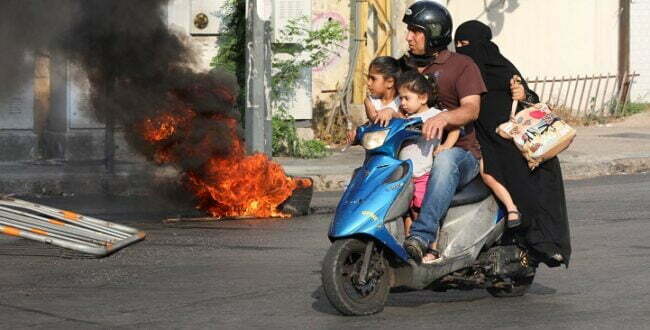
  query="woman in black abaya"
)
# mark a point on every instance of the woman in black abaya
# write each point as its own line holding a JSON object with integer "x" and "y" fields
{"x": 538, "y": 194}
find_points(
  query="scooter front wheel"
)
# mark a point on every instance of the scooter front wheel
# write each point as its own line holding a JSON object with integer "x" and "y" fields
{"x": 341, "y": 275}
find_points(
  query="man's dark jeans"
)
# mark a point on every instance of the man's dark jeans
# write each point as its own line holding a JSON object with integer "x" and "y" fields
{"x": 451, "y": 170}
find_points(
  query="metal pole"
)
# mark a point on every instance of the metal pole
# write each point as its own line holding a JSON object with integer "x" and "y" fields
{"x": 258, "y": 77}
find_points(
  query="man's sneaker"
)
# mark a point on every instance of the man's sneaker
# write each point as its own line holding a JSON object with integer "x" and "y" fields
{"x": 415, "y": 248}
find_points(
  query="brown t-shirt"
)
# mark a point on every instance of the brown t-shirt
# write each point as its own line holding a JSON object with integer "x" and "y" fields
{"x": 457, "y": 76}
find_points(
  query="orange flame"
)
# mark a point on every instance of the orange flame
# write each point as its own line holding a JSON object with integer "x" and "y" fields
{"x": 230, "y": 185}
{"x": 164, "y": 126}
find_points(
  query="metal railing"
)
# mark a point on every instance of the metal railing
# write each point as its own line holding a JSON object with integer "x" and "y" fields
{"x": 581, "y": 96}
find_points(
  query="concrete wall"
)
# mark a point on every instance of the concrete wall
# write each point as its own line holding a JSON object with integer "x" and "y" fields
{"x": 640, "y": 49}
{"x": 547, "y": 38}
{"x": 332, "y": 74}
{"x": 398, "y": 9}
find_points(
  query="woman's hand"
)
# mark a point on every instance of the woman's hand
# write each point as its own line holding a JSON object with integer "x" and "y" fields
{"x": 383, "y": 117}
{"x": 517, "y": 89}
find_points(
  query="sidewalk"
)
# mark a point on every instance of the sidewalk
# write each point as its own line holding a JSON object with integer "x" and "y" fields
{"x": 616, "y": 148}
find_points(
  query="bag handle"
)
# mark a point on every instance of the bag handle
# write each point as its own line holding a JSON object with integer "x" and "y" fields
{"x": 514, "y": 108}
{"x": 517, "y": 81}
{"x": 515, "y": 103}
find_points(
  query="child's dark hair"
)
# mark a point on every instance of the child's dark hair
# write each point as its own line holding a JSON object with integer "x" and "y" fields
{"x": 417, "y": 83}
{"x": 387, "y": 66}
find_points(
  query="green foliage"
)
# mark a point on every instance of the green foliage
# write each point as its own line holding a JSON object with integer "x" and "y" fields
{"x": 286, "y": 140}
{"x": 634, "y": 108}
{"x": 289, "y": 60}
{"x": 232, "y": 44}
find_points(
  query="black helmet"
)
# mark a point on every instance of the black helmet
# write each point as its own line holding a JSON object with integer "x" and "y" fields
{"x": 434, "y": 20}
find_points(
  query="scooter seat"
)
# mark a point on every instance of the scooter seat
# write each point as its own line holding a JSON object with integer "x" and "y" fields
{"x": 473, "y": 192}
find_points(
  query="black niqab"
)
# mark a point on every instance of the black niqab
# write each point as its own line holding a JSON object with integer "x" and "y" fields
{"x": 496, "y": 69}
{"x": 539, "y": 195}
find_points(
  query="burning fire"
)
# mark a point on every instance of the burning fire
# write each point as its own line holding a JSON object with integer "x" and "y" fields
{"x": 227, "y": 184}
{"x": 162, "y": 127}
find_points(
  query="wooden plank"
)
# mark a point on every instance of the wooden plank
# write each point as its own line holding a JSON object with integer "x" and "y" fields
{"x": 568, "y": 89}
{"x": 575, "y": 90}
{"x": 593, "y": 107}
{"x": 384, "y": 28}
{"x": 582, "y": 94}
{"x": 605, "y": 100}
{"x": 543, "y": 88}
{"x": 615, "y": 92}
{"x": 627, "y": 90}
{"x": 550, "y": 93}
{"x": 588, "y": 99}
{"x": 559, "y": 94}
{"x": 360, "y": 72}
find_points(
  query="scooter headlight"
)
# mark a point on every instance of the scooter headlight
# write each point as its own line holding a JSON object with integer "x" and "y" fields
{"x": 372, "y": 140}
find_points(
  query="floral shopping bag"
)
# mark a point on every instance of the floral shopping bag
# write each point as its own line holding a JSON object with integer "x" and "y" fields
{"x": 537, "y": 132}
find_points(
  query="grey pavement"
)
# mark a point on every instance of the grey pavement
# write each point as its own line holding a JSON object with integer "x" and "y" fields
{"x": 616, "y": 148}
{"x": 243, "y": 274}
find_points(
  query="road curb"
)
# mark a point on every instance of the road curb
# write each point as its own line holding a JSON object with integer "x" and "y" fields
{"x": 570, "y": 171}
{"x": 632, "y": 165}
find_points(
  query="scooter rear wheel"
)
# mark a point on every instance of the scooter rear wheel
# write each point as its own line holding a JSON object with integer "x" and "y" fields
{"x": 340, "y": 276}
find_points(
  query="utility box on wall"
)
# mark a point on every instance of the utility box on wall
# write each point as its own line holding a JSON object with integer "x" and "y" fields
{"x": 301, "y": 106}
{"x": 284, "y": 11}
{"x": 207, "y": 16}
{"x": 17, "y": 111}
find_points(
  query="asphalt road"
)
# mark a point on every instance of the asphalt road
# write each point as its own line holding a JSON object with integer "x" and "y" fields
{"x": 266, "y": 273}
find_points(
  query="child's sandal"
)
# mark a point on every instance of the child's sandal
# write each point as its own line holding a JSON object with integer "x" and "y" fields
{"x": 433, "y": 252}
{"x": 512, "y": 223}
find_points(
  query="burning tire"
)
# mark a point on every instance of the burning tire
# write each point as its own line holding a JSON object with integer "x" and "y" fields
{"x": 341, "y": 282}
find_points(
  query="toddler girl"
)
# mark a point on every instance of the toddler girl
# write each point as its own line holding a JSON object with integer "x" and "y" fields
{"x": 417, "y": 95}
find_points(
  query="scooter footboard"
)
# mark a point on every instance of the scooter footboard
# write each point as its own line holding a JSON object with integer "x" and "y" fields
{"x": 419, "y": 276}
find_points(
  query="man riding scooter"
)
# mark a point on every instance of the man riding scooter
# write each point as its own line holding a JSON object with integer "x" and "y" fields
{"x": 460, "y": 85}
{"x": 370, "y": 254}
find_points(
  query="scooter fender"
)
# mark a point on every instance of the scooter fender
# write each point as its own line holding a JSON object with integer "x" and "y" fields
{"x": 367, "y": 201}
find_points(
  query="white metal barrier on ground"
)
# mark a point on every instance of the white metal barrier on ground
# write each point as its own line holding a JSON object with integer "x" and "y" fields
{"x": 64, "y": 228}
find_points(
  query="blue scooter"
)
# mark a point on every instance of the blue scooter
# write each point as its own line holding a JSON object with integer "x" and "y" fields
{"x": 366, "y": 258}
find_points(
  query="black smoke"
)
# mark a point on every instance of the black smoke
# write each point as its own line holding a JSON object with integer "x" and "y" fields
{"x": 137, "y": 67}
{"x": 28, "y": 28}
